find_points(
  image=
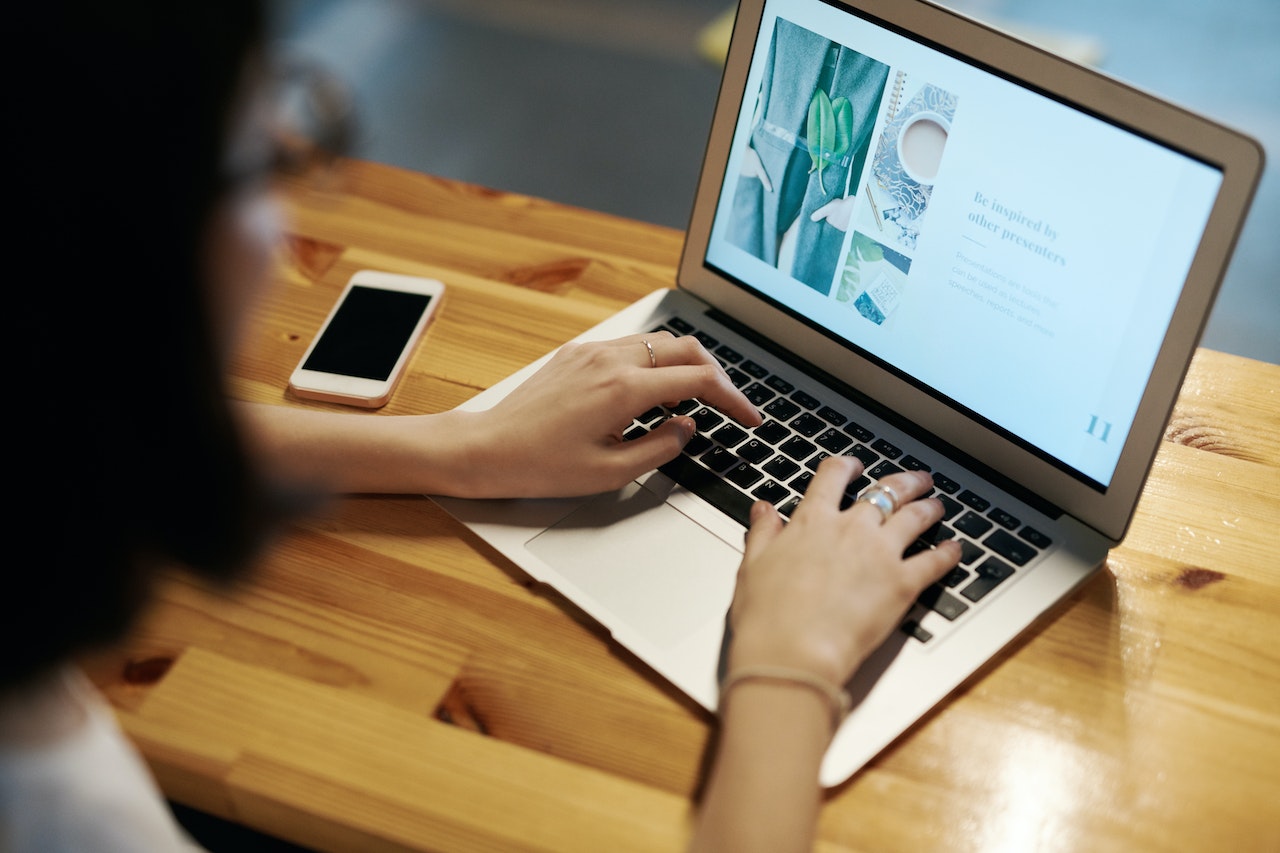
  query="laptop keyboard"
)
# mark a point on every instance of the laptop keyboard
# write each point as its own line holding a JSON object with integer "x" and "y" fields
{"x": 731, "y": 467}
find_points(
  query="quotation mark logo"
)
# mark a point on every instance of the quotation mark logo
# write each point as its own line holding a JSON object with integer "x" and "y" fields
{"x": 1098, "y": 428}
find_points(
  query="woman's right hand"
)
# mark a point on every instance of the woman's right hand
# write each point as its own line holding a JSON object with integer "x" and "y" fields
{"x": 822, "y": 592}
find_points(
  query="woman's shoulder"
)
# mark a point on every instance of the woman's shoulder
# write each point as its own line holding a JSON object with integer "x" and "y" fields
{"x": 70, "y": 779}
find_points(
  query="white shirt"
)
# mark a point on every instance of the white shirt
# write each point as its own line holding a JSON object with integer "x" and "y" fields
{"x": 79, "y": 785}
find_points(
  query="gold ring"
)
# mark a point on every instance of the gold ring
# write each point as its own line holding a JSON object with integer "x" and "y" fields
{"x": 653, "y": 359}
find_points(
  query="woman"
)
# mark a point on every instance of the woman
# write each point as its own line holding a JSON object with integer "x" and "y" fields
{"x": 153, "y": 156}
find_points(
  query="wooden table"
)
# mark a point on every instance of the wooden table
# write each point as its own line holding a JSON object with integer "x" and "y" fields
{"x": 388, "y": 683}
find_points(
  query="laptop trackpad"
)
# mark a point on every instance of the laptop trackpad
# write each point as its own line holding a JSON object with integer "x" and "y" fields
{"x": 661, "y": 574}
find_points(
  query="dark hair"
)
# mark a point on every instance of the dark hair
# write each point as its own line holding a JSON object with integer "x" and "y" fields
{"x": 126, "y": 454}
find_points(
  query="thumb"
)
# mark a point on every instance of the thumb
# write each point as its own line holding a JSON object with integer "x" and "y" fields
{"x": 663, "y": 443}
{"x": 766, "y": 523}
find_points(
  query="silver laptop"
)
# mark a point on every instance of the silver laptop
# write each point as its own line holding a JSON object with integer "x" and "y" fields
{"x": 921, "y": 241}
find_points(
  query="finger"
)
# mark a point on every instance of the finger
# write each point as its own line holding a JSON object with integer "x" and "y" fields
{"x": 930, "y": 565}
{"x": 662, "y": 444}
{"x": 766, "y": 523}
{"x": 833, "y": 476}
{"x": 904, "y": 487}
{"x": 907, "y": 485}
{"x": 685, "y": 349}
{"x": 914, "y": 519}
{"x": 703, "y": 381}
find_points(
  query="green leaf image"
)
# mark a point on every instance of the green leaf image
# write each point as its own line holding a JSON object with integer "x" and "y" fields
{"x": 829, "y": 131}
{"x": 843, "y": 111}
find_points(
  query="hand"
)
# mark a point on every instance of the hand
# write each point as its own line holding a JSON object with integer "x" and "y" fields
{"x": 560, "y": 433}
{"x": 821, "y": 593}
{"x": 752, "y": 167}
{"x": 837, "y": 213}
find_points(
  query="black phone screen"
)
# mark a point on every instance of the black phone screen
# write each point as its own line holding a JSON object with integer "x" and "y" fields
{"x": 367, "y": 333}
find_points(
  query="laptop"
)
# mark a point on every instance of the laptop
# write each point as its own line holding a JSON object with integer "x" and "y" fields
{"x": 922, "y": 241}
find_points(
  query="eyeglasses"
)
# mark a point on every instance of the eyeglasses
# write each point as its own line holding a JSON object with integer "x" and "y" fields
{"x": 300, "y": 122}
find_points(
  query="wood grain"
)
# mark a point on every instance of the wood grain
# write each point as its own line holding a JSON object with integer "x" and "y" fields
{"x": 387, "y": 682}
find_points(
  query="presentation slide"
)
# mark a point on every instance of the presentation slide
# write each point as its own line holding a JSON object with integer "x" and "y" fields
{"x": 1020, "y": 257}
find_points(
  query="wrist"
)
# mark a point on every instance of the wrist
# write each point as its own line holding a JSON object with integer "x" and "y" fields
{"x": 462, "y": 455}
{"x": 755, "y": 648}
{"x": 831, "y": 695}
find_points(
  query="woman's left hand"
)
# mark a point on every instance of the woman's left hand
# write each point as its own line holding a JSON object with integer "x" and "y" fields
{"x": 560, "y": 433}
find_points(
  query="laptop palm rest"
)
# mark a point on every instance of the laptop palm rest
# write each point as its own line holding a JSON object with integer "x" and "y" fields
{"x": 606, "y": 549}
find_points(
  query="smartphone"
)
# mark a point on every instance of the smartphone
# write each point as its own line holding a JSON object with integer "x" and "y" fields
{"x": 362, "y": 349}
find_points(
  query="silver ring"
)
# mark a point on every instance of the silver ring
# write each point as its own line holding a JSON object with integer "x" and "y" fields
{"x": 882, "y": 498}
{"x": 653, "y": 359}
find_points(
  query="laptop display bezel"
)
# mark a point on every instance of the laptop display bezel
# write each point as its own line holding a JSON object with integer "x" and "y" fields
{"x": 1107, "y": 510}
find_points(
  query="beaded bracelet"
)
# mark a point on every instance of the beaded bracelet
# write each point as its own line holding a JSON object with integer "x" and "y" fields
{"x": 840, "y": 700}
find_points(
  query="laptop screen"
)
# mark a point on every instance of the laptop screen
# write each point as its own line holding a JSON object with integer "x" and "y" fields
{"x": 1010, "y": 254}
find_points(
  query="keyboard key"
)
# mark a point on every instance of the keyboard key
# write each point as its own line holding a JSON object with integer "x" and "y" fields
{"x": 972, "y": 524}
{"x": 737, "y": 377}
{"x": 710, "y": 487}
{"x": 868, "y": 456}
{"x": 955, "y": 577}
{"x": 970, "y": 552}
{"x": 681, "y": 326}
{"x": 684, "y": 407}
{"x": 743, "y": 474}
{"x": 978, "y": 502}
{"x": 911, "y": 463}
{"x": 831, "y": 416}
{"x": 797, "y": 448}
{"x": 634, "y": 433}
{"x": 885, "y": 448}
{"x": 772, "y": 491}
{"x": 754, "y": 451}
{"x": 832, "y": 441}
{"x": 725, "y": 353}
{"x": 808, "y": 424}
{"x": 801, "y": 482}
{"x": 1035, "y": 537}
{"x": 1004, "y": 519}
{"x": 858, "y": 431}
{"x": 707, "y": 419}
{"x": 718, "y": 459}
{"x": 706, "y": 340}
{"x": 758, "y": 394}
{"x": 858, "y": 484}
{"x": 950, "y": 508}
{"x": 656, "y": 413}
{"x": 754, "y": 369}
{"x": 990, "y": 575}
{"x": 780, "y": 385}
{"x": 789, "y": 507}
{"x": 772, "y": 432}
{"x": 939, "y": 600}
{"x": 945, "y": 483}
{"x": 913, "y": 629}
{"x": 808, "y": 401}
{"x": 938, "y": 533}
{"x": 783, "y": 410}
{"x": 697, "y": 445}
{"x": 883, "y": 469}
{"x": 780, "y": 468}
{"x": 729, "y": 435}
{"x": 1015, "y": 550}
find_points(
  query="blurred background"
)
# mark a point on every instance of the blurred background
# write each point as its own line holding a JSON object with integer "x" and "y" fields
{"x": 605, "y": 104}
